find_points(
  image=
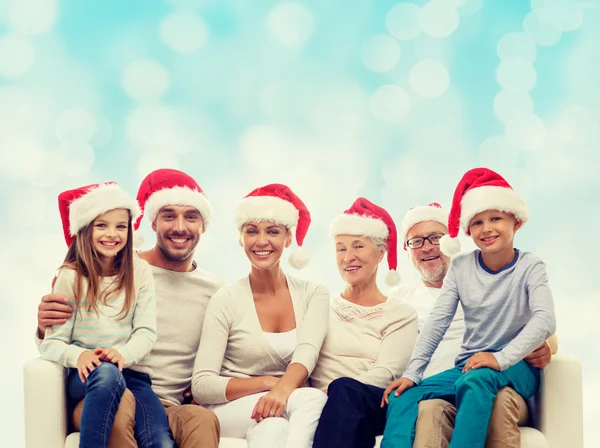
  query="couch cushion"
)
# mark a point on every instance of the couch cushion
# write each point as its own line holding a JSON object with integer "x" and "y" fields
{"x": 532, "y": 438}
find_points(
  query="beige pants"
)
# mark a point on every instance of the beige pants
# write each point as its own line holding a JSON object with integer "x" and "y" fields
{"x": 192, "y": 426}
{"x": 436, "y": 422}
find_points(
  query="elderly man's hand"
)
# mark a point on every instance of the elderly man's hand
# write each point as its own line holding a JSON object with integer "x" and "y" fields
{"x": 540, "y": 357}
{"x": 481, "y": 359}
{"x": 54, "y": 309}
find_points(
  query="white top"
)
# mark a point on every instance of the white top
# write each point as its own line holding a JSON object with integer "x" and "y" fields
{"x": 283, "y": 343}
{"x": 371, "y": 344}
{"x": 233, "y": 344}
{"x": 423, "y": 298}
{"x": 133, "y": 335}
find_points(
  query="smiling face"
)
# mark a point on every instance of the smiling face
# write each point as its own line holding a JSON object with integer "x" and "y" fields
{"x": 109, "y": 233}
{"x": 357, "y": 258}
{"x": 178, "y": 229}
{"x": 428, "y": 260}
{"x": 264, "y": 242}
{"x": 493, "y": 231}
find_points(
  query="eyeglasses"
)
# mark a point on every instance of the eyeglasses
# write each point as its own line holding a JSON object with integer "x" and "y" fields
{"x": 434, "y": 239}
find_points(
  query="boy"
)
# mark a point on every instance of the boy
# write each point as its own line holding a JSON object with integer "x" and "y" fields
{"x": 508, "y": 311}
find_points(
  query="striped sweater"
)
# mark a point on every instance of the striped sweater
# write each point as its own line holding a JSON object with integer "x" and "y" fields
{"x": 133, "y": 335}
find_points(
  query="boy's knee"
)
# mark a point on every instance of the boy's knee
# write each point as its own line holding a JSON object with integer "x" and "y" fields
{"x": 476, "y": 378}
{"x": 436, "y": 410}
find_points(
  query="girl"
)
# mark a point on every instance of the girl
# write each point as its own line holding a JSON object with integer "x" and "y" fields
{"x": 113, "y": 326}
{"x": 262, "y": 335}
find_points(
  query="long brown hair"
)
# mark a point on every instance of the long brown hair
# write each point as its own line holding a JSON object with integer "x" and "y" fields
{"x": 83, "y": 259}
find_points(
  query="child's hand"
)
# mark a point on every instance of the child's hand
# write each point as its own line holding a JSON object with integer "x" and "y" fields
{"x": 87, "y": 362}
{"x": 111, "y": 355}
{"x": 400, "y": 386}
{"x": 481, "y": 359}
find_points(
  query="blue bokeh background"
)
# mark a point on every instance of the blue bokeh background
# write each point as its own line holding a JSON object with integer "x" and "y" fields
{"x": 385, "y": 99}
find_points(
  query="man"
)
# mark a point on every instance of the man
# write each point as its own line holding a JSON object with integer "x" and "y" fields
{"x": 422, "y": 230}
{"x": 180, "y": 214}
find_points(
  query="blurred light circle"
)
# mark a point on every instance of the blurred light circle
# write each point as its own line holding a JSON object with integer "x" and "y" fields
{"x": 290, "y": 23}
{"x": 32, "y": 16}
{"x": 17, "y": 55}
{"x": 518, "y": 45}
{"x": 563, "y": 15}
{"x": 510, "y": 107}
{"x": 152, "y": 160}
{"x": 183, "y": 32}
{"x": 527, "y": 134}
{"x": 76, "y": 158}
{"x": 580, "y": 125}
{"x": 380, "y": 53}
{"x": 104, "y": 132}
{"x": 429, "y": 78}
{"x": 151, "y": 125}
{"x": 23, "y": 202}
{"x": 145, "y": 80}
{"x": 541, "y": 32}
{"x": 516, "y": 75}
{"x": 402, "y": 21}
{"x": 498, "y": 153}
{"x": 75, "y": 125}
{"x": 390, "y": 103}
{"x": 438, "y": 19}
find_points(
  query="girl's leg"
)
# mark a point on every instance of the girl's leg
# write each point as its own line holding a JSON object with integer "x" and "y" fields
{"x": 403, "y": 410}
{"x": 303, "y": 409}
{"x": 352, "y": 417}
{"x": 151, "y": 424}
{"x": 102, "y": 390}
{"x": 475, "y": 394}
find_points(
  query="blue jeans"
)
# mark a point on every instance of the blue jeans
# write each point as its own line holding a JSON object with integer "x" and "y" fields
{"x": 473, "y": 392}
{"x": 352, "y": 417}
{"x": 103, "y": 391}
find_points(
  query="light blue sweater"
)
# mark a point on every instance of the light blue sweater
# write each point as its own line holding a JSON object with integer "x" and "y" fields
{"x": 509, "y": 312}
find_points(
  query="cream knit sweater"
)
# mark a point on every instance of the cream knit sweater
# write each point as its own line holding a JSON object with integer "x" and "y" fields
{"x": 232, "y": 344}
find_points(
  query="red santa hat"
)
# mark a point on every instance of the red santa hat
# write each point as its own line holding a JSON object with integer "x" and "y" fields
{"x": 171, "y": 187}
{"x": 80, "y": 206}
{"x": 277, "y": 203}
{"x": 422, "y": 213}
{"x": 480, "y": 189}
{"x": 367, "y": 219}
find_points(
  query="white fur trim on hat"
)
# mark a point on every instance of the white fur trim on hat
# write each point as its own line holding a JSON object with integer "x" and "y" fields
{"x": 299, "y": 259}
{"x": 449, "y": 246}
{"x": 182, "y": 196}
{"x": 266, "y": 208}
{"x": 97, "y": 201}
{"x": 392, "y": 278}
{"x": 484, "y": 198}
{"x": 421, "y": 214}
{"x": 352, "y": 224}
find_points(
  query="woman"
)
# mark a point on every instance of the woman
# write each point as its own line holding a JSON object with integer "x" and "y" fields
{"x": 261, "y": 336}
{"x": 370, "y": 338}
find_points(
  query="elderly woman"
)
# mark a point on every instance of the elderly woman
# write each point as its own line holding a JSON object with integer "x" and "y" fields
{"x": 261, "y": 336}
{"x": 370, "y": 338}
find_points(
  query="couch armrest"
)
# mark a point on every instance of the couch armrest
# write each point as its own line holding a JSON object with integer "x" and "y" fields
{"x": 45, "y": 404}
{"x": 560, "y": 403}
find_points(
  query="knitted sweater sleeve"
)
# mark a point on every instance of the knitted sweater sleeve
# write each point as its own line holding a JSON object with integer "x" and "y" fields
{"x": 208, "y": 387}
{"x": 396, "y": 346}
{"x": 56, "y": 345}
{"x": 312, "y": 330}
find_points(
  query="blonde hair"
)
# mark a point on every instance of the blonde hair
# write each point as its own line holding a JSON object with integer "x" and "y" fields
{"x": 83, "y": 259}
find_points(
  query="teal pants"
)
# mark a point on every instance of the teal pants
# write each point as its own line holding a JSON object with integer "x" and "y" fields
{"x": 473, "y": 393}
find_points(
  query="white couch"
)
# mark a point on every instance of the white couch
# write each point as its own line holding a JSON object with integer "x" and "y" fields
{"x": 558, "y": 422}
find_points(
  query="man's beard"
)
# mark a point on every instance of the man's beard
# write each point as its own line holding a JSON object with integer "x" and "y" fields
{"x": 433, "y": 275}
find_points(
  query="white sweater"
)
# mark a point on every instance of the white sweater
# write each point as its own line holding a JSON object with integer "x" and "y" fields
{"x": 371, "y": 344}
{"x": 233, "y": 345}
{"x": 422, "y": 299}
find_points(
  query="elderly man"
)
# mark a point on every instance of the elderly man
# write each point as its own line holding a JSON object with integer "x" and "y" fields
{"x": 422, "y": 230}
{"x": 179, "y": 213}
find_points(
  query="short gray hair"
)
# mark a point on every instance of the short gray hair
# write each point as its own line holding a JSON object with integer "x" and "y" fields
{"x": 379, "y": 242}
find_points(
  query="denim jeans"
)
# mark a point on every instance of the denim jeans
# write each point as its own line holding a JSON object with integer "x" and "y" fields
{"x": 473, "y": 392}
{"x": 102, "y": 393}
